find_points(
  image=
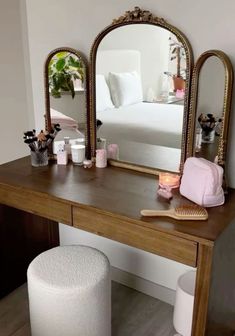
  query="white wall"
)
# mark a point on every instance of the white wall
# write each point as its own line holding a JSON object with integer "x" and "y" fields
{"x": 13, "y": 92}
{"x": 211, "y": 90}
{"x": 152, "y": 43}
{"x": 74, "y": 108}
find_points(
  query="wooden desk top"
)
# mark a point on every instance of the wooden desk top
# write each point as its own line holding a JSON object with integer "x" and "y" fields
{"x": 107, "y": 202}
{"x": 115, "y": 191}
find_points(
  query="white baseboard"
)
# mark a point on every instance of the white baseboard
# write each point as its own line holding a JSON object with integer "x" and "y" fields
{"x": 142, "y": 285}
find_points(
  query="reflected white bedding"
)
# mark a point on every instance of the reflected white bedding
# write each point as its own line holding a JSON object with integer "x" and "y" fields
{"x": 69, "y": 129}
{"x": 151, "y": 123}
{"x": 65, "y": 121}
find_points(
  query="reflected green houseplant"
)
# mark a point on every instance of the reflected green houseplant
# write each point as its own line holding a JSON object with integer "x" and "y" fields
{"x": 177, "y": 54}
{"x": 63, "y": 70}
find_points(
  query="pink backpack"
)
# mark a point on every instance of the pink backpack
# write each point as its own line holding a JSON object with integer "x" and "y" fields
{"x": 202, "y": 182}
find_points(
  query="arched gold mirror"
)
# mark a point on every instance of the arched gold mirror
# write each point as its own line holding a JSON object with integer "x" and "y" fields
{"x": 139, "y": 83}
{"x": 66, "y": 96}
{"x": 212, "y": 86}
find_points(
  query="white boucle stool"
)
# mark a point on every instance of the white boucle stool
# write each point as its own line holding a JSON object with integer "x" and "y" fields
{"x": 70, "y": 292}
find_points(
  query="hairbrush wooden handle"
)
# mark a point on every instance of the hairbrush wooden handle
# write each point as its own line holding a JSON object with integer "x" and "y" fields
{"x": 151, "y": 213}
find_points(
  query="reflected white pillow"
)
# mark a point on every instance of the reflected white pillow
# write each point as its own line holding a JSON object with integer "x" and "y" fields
{"x": 126, "y": 88}
{"x": 103, "y": 98}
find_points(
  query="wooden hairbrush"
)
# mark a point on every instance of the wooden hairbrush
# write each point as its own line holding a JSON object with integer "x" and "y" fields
{"x": 183, "y": 212}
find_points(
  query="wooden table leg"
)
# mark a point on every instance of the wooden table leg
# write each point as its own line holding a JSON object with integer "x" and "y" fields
{"x": 22, "y": 237}
{"x": 204, "y": 262}
{"x": 221, "y": 309}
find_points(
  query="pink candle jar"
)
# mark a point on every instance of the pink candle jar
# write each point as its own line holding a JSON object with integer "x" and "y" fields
{"x": 169, "y": 180}
{"x": 101, "y": 158}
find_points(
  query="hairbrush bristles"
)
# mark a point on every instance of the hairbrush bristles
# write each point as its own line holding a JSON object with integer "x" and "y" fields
{"x": 191, "y": 211}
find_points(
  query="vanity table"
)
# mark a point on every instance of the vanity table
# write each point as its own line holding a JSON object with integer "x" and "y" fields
{"x": 107, "y": 202}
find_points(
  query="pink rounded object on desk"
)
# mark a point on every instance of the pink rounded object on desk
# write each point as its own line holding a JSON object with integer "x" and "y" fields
{"x": 179, "y": 93}
{"x": 101, "y": 158}
{"x": 87, "y": 163}
{"x": 113, "y": 151}
{"x": 165, "y": 193}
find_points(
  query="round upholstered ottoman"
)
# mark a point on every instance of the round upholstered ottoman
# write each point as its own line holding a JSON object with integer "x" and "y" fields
{"x": 70, "y": 292}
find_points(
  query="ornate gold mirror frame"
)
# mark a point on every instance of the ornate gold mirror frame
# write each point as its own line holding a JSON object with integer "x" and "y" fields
{"x": 138, "y": 16}
{"x": 227, "y": 100}
{"x": 48, "y": 123}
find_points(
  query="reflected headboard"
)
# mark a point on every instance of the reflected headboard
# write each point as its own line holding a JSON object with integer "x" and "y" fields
{"x": 118, "y": 60}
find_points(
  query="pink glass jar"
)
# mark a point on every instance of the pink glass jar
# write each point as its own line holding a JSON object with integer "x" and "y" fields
{"x": 101, "y": 158}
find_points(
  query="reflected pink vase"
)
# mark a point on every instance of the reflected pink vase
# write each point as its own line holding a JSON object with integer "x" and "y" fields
{"x": 113, "y": 152}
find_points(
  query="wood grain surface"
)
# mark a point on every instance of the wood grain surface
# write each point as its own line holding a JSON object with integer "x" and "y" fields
{"x": 126, "y": 232}
{"x": 203, "y": 280}
{"x": 112, "y": 190}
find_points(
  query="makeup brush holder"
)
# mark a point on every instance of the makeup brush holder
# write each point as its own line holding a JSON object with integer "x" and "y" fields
{"x": 39, "y": 158}
{"x": 208, "y": 137}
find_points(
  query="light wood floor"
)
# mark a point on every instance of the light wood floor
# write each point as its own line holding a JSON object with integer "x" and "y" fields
{"x": 133, "y": 314}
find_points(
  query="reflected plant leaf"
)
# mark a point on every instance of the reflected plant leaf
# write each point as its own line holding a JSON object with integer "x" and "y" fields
{"x": 63, "y": 69}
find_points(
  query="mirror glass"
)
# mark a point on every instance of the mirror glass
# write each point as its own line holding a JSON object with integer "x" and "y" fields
{"x": 209, "y": 110}
{"x": 140, "y": 86}
{"x": 65, "y": 76}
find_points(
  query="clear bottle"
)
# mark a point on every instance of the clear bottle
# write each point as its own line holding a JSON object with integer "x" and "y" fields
{"x": 67, "y": 146}
{"x": 62, "y": 156}
{"x": 198, "y": 142}
{"x": 165, "y": 86}
{"x": 150, "y": 95}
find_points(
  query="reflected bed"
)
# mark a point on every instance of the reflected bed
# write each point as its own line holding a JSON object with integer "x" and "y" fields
{"x": 69, "y": 129}
{"x": 149, "y": 123}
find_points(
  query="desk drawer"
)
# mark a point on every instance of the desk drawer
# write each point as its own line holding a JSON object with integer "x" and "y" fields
{"x": 36, "y": 203}
{"x": 133, "y": 234}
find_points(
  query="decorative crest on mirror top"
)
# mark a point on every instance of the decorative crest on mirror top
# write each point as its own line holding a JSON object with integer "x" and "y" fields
{"x": 138, "y": 15}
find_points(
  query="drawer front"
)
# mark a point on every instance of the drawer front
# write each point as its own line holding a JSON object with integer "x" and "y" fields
{"x": 36, "y": 203}
{"x": 133, "y": 234}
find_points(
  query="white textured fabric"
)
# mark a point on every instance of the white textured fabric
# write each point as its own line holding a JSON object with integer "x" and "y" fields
{"x": 151, "y": 123}
{"x": 70, "y": 292}
{"x": 126, "y": 88}
{"x": 65, "y": 121}
{"x": 103, "y": 98}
